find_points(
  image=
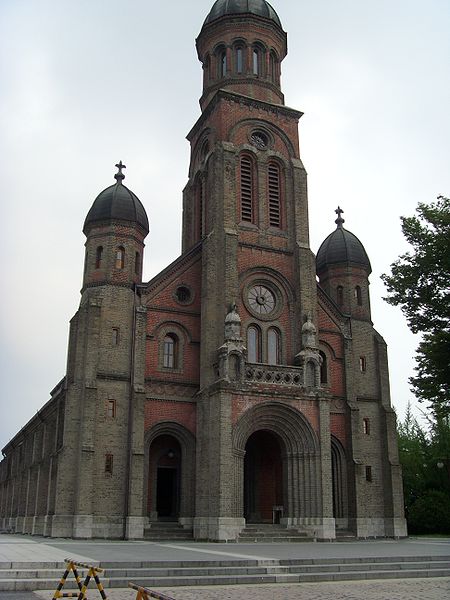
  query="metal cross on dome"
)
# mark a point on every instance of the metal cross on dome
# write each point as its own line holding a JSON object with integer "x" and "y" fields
{"x": 339, "y": 221}
{"x": 120, "y": 175}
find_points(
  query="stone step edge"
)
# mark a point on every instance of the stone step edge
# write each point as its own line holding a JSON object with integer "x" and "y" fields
{"x": 6, "y": 574}
{"x": 29, "y": 584}
{"x": 35, "y": 565}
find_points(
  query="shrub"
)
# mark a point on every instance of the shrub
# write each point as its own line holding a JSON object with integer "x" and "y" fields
{"x": 430, "y": 513}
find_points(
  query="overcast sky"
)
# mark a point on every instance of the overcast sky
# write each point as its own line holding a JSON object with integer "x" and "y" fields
{"x": 86, "y": 83}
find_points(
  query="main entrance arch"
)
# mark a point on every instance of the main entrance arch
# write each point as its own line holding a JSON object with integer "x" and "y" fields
{"x": 288, "y": 452}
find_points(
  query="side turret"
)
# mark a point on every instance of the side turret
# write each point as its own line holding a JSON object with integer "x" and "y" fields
{"x": 115, "y": 227}
{"x": 343, "y": 268}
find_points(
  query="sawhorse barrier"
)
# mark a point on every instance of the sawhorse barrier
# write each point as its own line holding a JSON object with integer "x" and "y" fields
{"x": 82, "y": 586}
{"x": 145, "y": 594}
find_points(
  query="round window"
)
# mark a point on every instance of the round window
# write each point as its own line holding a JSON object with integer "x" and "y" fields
{"x": 183, "y": 294}
{"x": 260, "y": 139}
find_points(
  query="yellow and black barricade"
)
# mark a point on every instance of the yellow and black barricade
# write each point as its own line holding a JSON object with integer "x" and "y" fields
{"x": 82, "y": 586}
{"x": 145, "y": 594}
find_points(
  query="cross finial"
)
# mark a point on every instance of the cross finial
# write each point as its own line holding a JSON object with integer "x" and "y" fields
{"x": 119, "y": 176}
{"x": 339, "y": 221}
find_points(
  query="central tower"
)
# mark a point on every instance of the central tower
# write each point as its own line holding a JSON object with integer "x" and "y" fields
{"x": 246, "y": 204}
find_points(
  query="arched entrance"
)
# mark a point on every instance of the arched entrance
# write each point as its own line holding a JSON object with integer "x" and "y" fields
{"x": 263, "y": 477}
{"x": 339, "y": 483}
{"x": 164, "y": 478}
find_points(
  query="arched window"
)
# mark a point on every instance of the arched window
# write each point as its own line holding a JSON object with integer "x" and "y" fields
{"x": 137, "y": 263}
{"x": 247, "y": 185}
{"x": 323, "y": 368}
{"x": 221, "y": 61}
{"x": 199, "y": 209}
{"x": 273, "y": 346}
{"x": 340, "y": 295}
{"x": 257, "y": 61}
{"x": 170, "y": 351}
{"x": 98, "y": 257}
{"x": 207, "y": 69}
{"x": 120, "y": 257}
{"x": 358, "y": 295}
{"x": 254, "y": 344}
{"x": 274, "y": 195}
{"x": 273, "y": 67}
{"x": 239, "y": 59}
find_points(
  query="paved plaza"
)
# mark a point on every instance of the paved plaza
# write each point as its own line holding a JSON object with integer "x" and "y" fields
{"x": 25, "y": 549}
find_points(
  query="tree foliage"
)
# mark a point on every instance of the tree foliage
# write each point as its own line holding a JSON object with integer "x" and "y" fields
{"x": 425, "y": 459}
{"x": 419, "y": 284}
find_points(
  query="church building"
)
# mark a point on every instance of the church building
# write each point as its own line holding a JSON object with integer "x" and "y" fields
{"x": 245, "y": 384}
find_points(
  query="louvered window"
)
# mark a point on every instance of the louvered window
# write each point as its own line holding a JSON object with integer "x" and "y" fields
{"x": 274, "y": 195}
{"x": 246, "y": 189}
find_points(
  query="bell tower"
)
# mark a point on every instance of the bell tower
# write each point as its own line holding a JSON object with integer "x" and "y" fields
{"x": 246, "y": 204}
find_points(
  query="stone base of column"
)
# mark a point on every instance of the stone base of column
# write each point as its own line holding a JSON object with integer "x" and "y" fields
{"x": 16, "y": 524}
{"x": 27, "y": 525}
{"x": 218, "y": 529}
{"x": 61, "y": 526}
{"x": 380, "y": 527}
{"x": 38, "y": 525}
{"x": 134, "y": 528}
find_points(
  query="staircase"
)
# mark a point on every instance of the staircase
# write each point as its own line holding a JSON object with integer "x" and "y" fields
{"x": 267, "y": 533}
{"x": 45, "y": 576}
{"x": 161, "y": 531}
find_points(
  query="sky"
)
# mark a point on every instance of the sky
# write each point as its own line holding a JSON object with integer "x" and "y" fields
{"x": 86, "y": 83}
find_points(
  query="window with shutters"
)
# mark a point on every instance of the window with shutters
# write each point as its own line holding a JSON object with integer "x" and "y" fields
{"x": 274, "y": 195}
{"x": 247, "y": 187}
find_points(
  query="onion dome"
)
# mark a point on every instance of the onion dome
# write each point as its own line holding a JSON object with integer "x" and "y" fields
{"x": 261, "y": 8}
{"x": 342, "y": 247}
{"x": 117, "y": 203}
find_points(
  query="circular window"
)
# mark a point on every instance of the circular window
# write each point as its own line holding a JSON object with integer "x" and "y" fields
{"x": 183, "y": 294}
{"x": 261, "y": 300}
{"x": 260, "y": 139}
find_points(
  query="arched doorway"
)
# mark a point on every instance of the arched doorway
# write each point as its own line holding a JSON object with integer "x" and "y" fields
{"x": 339, "y": 483}
{"x": 164, "y": 478}
{"x": 263, "y": 477}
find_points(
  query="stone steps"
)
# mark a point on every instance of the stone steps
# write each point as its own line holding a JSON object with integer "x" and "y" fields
{"x": 161, "y": 531}
{"x": 268, "y": 533}
{"x": 35, "y": 576}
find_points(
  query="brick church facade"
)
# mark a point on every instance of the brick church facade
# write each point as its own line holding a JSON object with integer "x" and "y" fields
{"x": 245, "y": 383}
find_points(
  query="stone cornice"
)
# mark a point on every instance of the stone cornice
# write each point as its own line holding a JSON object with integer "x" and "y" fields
{"x": 277, "y": 109}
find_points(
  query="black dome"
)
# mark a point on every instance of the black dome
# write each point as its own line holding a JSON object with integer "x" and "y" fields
{"x": 236, "y": 7}
{"x": 342, "y": 247}
{"x": 117, "y": 203}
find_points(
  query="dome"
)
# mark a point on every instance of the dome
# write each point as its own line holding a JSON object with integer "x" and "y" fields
{"x": 261, "y": 8}
{"x": 342, "y": 247}
{"x": 119, "y": 203}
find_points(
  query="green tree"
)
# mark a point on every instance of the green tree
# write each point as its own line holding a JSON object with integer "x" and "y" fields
{"x": 419, "y": 284}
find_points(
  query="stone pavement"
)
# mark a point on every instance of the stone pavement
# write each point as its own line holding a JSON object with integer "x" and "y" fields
{"x": 17, "y": 548}
{"x": 397, "y": 589}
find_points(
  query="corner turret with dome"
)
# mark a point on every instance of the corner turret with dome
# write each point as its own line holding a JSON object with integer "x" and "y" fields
{"x": 343, "y": 268}
{"x": 115, "y": 227}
